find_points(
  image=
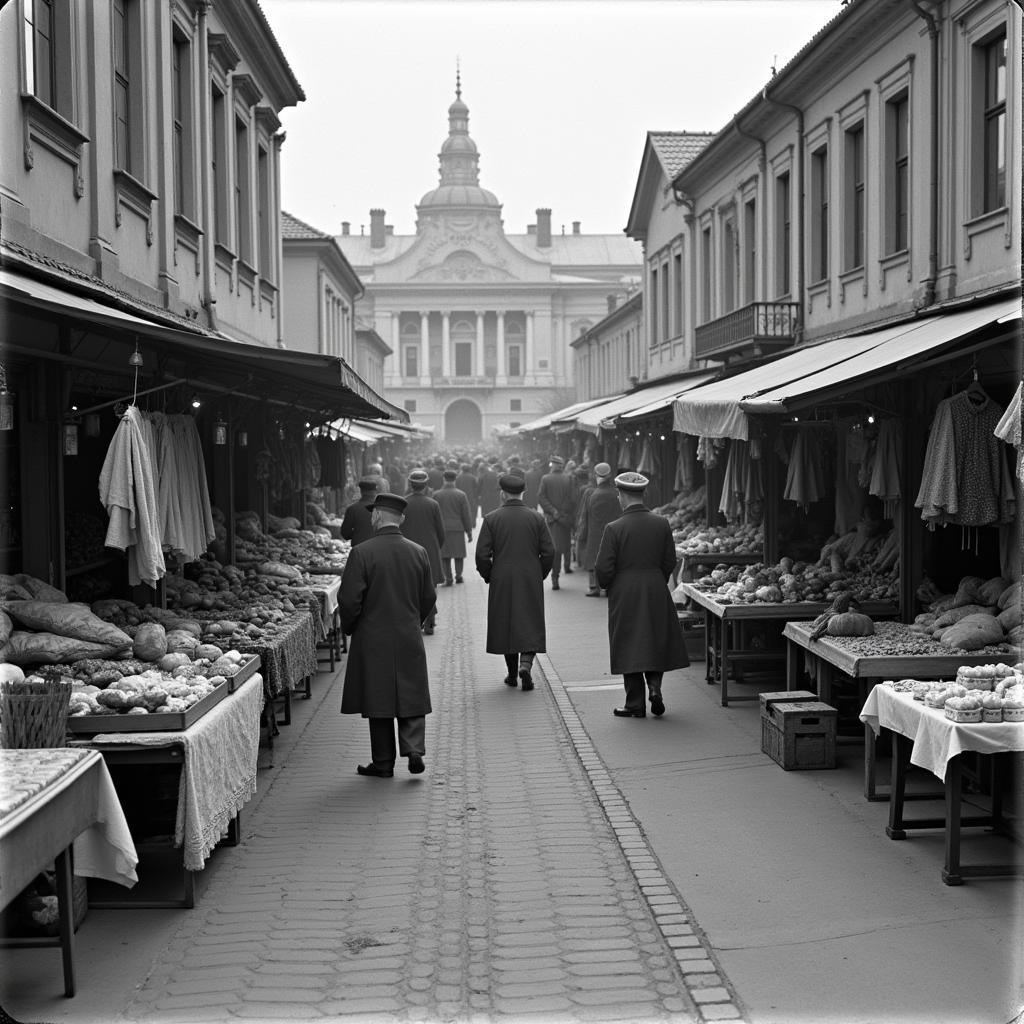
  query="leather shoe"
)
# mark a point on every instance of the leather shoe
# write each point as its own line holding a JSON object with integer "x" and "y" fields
{"x": 428, "y": 630}
{"x": 554, "y": 585}
{"x": 568, "y": 572}
{"x": 527, "y": 679}
{"x": 416, "y": 765}
{"x": 592, "y": 593}
{"x": 511, "y": 681}
{"x": 657, "y": 706}
{"x": 458, "y": 579}
{"x": 628, "y": 713}
{"x": 377, "y": 773}
{"x": 447, "y": 583}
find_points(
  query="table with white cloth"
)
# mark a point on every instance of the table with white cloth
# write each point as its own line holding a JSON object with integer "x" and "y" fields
{"x": 925, "y": 737}
{"x": 217, "y": 760}
{"x": 326, "y": 589}
{"x": 53, "y": 800}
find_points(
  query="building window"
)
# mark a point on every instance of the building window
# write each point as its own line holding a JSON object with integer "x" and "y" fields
{"x": 655, "y": 336}
{"x": 705, "y": 258}
{"x": 783, "y": 234}
{"x": 515, "y": 405}
{"x": 666, "y": 324}
{"x": 127, "y": 141}
{"x": 819, "y": 214}
{"x": 220, "y": 165}
{"x": 897, "y": 158}
{"x": 412, "y": 361}
{"x": 728, "y": 266}
{"x": 749, "y": 250}
{"x": 463, "y": 358}
{"x": 243, "y": 195}
{"x": 990, "y": 58}
{"x": 854, "y": 219}
{"x": 409, "y": 405}
{"x": 677, "y": 298}
{"x": 181, "y": 116}
{"x": 264, "y": 206}
{"x": 515, "y": 361}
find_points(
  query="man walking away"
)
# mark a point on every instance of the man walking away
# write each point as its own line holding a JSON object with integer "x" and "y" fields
{"x": 355, "y": 525}
{"x": 458, "y": 526}
{"x": 386, "y": 594}
{"x": 424, "y": 525}
{"x": 634, "y": 563}
{"x": 533, "y": 477}
{"x": 466, "y": 483}
{"x": 514, "y": 554}
{"x": 555, "y": 496}
{"x": 600, "y": 507}
{"x": 487, "y": 487}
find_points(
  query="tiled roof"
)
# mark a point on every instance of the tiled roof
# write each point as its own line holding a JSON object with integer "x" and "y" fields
{"x": 292, "y": 227}
{"x": 677, "y": 149}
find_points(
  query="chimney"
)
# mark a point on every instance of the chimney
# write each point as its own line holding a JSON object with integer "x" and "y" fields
{"x": 575, "y": 227}
{"x": 612, "y": 300}
{"x": 376, "y": 229}
{"x": 345, "y": 227}
{"x": 543, "y": 229}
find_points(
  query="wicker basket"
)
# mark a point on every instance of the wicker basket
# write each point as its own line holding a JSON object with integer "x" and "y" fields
{"x": 34, "y": 714}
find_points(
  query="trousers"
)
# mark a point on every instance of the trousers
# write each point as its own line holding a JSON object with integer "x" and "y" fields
{"x": 412, "y": 733}
{"x": 634, "y": 683}
{"x": 561, "y": 538}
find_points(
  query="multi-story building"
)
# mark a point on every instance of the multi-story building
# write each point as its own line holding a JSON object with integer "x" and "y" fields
{"x": 611, "y": 356}
{"x": 480, "y": 322}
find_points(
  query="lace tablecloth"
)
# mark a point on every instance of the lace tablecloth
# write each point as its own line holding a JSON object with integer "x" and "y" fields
{"x": 219, "y": 774}
{"x": 290, "y": 656}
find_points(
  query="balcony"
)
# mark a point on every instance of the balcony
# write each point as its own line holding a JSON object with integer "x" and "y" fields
{"x": 752, "y": 330}
{"x": 460, "y": 382}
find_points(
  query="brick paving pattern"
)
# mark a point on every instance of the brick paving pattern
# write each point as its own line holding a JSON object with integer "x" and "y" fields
{"x": 502, "y": 885}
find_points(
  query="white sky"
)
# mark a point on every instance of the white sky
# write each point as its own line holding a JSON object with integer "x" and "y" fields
{"x": 561, "y": 94}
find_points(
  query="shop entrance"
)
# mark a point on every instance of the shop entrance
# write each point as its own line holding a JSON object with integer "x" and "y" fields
{"x": 462, "y": 421}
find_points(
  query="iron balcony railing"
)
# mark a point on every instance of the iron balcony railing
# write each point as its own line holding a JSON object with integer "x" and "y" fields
{"x": 757, "y": 327}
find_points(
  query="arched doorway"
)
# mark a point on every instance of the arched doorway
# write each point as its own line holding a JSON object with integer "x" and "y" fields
{"x": 462, "y": 421}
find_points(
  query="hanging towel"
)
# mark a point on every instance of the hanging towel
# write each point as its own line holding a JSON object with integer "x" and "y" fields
{"x": 886, "y": 475}
{"x": 128, "y": 492}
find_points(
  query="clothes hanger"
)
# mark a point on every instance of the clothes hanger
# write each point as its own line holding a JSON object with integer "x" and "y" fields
{"x": 976, "y": 394}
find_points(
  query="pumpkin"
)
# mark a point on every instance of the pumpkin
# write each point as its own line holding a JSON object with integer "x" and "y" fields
{"x": 150, "y": 642}
{"x": 850, "y": 624}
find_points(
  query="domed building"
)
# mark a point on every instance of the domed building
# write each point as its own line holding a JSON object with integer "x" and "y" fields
{"x": 480, "y": 322}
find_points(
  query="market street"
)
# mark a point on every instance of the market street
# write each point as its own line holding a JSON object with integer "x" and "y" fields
{"x": 509, "y": 881}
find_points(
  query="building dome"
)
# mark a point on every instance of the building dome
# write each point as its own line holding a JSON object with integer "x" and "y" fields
{"x": 459, "y": 195}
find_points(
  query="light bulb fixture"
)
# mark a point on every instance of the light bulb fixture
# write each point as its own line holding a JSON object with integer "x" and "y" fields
{"x": 662, "y": 437}
{"x": 871, "y": 418}
{"x": 220, "y": 432}
{"x": 243, "y": 439}
{"x": 195, "y": 402}
{"x": 92, "y": 424}
{"x": 70, "y": 438}
{"x": 135, "y": 359}
{"x": 6, "y": 402}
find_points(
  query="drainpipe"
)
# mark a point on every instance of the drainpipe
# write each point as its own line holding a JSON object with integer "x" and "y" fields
{"x": 209, "y": 301}
{"x": 926, "y": 297}
{"x": 762, "y": 172}
{"x": 800, "y": 245}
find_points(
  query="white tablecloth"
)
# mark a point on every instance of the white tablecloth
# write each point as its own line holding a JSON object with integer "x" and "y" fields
{"x": 219, "y": 775}
{"x": 936, "y": 739}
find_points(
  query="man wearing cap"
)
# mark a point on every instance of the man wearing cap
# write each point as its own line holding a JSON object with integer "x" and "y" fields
{"x": 514, "y": 554}
{"x": 458, "y": 526}
{"x": 424, "y": 525}
{"x": 556, "y": 498}
{"x": 487, "y": 486}
{"x": 635, "y": 560}
{"x": 466, "y": 483}
{"x": 355, "y": 525}
{"x": 386, "y": 594}
{"x": 600, "y": 507}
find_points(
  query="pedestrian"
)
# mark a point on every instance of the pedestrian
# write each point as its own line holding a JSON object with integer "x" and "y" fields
{"x": 555, "y": 496}
{"x": 424, "y": 525}
{"x": 600, "y": 507}
{"x": 466, "y": 483}
{"x": 386, "y": 594}
{"x": 581, "y": 484}
{"x": 488, "y": 487}
{"x": 514, "y": 554}
{"x": 634, "y": 563}
{"x": 458, "y": 526}
{"x": 355, "y": 524}
{"x": 436, "y": 474}
{"x": 376, "y": 472}
{"x": 533, "y": 477}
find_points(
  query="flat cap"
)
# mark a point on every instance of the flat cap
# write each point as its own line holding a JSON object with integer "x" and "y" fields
{"x": 450, "y": 474}
{"x": 556, "y": 460}
{"x": 368, "y": 483}
{"x": 517, "y": 471}
{"x": 632, "y": 482}
{"x": 512, "y": 483}
{"x": 389, "y": 502}
{"x": 419, "y": 476}
{"x": 603, "y": 470}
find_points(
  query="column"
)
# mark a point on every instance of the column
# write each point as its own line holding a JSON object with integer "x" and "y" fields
{"x": 446, "y": 344}
{"x": 528, "y": 369}
{"x": 479, "y": 343}
{"x": 425, "y": 349}
{"x": 501, "y": 345}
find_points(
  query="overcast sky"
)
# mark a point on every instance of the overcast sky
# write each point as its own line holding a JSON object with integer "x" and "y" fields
{"x": 561, "y": 94}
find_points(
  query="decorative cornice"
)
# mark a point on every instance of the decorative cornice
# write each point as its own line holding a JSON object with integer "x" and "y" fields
{"x": 223, "y": 51}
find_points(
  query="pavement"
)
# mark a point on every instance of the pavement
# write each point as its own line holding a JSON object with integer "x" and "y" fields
{"x": 553, "y": 864}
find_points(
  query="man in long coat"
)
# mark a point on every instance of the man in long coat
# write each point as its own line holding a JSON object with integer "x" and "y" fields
{"x": 514, "y": 554}
{"x": 424, "y": 525}
{"x": 355, "y": 525}
{"x": 487, "y": 487}
{"x": 458, "y": 526}
{"x": 386, "y": 594}
{"x": 600, "y": 507}
{"x": 634, "y": 563}
{"x": 467, "y": 483}
{"x": 533, "y": 478}
{"x": 557, "y": 500}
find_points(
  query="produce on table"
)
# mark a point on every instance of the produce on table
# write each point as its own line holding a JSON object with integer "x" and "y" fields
{"x": 69, "y": 620}
{"x": 790, "y": 581}
{"x": 898, "y": 639}
{"x": 843, "y": 618}
{"x": 983, "y": 693}
{"x": 738, "y": 538}
{"x": 287, "y": 543}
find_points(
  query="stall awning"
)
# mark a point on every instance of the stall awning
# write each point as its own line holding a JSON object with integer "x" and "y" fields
{"x": 592, "y": 420}
{"x": 310, "y": 382}
{"x": 662, "y": 401}
{"x": 544, "y": 422}
{"x": 825, "y": 370}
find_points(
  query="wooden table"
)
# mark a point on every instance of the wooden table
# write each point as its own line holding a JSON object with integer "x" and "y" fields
{"x": 50, "y": 797}
{"x": 831, "y": 655}
{"x": 326, "y": 589}
{"x": 722, "y": 636}
{"x": 925, "y": 737}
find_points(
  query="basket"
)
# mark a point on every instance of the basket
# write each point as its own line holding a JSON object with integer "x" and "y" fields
{"x": 33, "y": 714}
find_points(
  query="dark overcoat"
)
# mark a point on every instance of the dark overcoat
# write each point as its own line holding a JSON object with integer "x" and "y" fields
{"x": 457, "y": 520}
{"x": 487, "y": 488}
{"x": 435, "y": 478}
{"x": 386, "y": 593}
{"x": 533, "y": 477}
{"x": 356, "y": 525}
{"x": 514, "y": 554}
{"x": 634, "y": 563}
{"x": 557, "y": 497}
{"x": 600, "y": 507}
{"x": 467, "y": 483}
{"x": 424, "y": 526}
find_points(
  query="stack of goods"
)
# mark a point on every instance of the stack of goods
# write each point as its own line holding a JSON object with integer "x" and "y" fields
{"x": 737, "y": 538}
{"x": 287, "y": 543}
{"x": 896, "y": 639}
{"x": 981, "y": 613}
{"x": 685, "y": 513}
{"x": 982, "y": 693}
{"x": 320, "y": 517}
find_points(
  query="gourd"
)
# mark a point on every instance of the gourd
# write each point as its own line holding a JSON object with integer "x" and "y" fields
{"x": 850, "y": 624}
{"x": 150, "y": 642}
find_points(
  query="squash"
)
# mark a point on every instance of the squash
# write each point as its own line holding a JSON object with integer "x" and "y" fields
{"x": 150, "y": 642}
{"x": 850, "y": 624}
{"x": 973, "y": 632}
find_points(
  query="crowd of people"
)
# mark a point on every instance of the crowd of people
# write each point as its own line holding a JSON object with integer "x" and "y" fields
{"x": 409, "y": 532}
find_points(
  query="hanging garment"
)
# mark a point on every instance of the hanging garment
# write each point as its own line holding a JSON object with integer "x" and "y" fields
{"x": 937, "y": 497}
{"x": 850, "y": 496}
{"x": 330, "y": 462}
{"x": 753, "y": 489}
{"x": 886, "y": 474}
{"x": 168, "y": 477}
{"x": 707, "y": 451}
{"x": 310, "y": 465}
{"x": 128, "y": 492}
{"x": 686, "y": 467}
{"x": 626, "y": 455}
{"x": 805, "y": 475}
{"x": 647, "y": 464}
{"x": 734, "y": 481}
{"x": 979, "y": 458}
{"x": 1008, "y": 429}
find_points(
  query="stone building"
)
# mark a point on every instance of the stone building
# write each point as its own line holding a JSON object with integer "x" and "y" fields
{"x": 480, "y": 322}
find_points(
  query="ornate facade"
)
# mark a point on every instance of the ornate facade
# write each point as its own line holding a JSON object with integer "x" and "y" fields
{"x": 481, "y": 322}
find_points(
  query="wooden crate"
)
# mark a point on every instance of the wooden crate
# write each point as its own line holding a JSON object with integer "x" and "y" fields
{"x": 784, "y": 697}
{"x": 799, "y": 734}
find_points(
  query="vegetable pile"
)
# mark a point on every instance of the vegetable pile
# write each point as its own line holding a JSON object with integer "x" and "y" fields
{"x": 981, "y": 613}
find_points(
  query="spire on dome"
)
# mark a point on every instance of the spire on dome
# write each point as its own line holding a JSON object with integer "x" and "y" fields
{"x": 458, "y": 80}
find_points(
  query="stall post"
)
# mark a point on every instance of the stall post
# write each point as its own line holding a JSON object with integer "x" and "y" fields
{"x": 909, "y": 525}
